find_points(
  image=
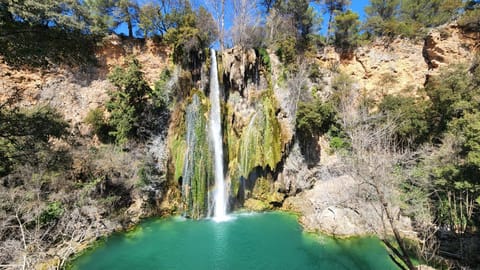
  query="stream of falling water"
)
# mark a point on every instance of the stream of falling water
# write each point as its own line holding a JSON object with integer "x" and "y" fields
{"x": 220, "y": 194}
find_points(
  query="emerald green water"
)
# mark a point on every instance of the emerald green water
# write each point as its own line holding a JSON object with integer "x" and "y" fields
{"x": 248, "y": 241}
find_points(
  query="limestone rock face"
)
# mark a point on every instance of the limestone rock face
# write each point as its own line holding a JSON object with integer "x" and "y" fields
{"x": 73, "y": 91}
{"x": 402, "y": 66}
{"x": 239, "y": 64}
{"x": 380, "y": 69}
{"x": 448, "y": 45}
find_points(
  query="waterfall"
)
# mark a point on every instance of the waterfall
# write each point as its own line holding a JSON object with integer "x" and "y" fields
{"x": 220, "y": 194}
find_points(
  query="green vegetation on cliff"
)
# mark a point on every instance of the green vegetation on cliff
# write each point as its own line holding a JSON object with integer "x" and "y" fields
{"x": 25, "y": 135}
{"x": 191, "y": 155}
{"x": 257, "y": 143}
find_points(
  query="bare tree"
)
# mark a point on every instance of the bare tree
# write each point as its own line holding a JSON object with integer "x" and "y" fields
{"x": 279, "y": 27}
{"x": 218, "y": 7}
{"x": 376, "y": 162}
{"x": 246, "y": 24}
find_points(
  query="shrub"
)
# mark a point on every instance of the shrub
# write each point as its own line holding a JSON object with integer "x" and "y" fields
{"x": 314, "y": 118}
{"x": 337, "y": 143}
{"x": 160, "y": 93}
{"x": 412, "y": 124}
{"x": 128, "y": 102}
{"x": 53, "y": 212}
{"x": 96, "y": 119}
{"x": 266, "y": 62}
{"x": 470, "y": 20}
{"x": 286, "y": 50}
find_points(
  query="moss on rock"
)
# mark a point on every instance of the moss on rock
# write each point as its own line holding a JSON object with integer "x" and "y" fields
{"x": 254, "y": 142}
{"x": 259, "y": 143}
{"x": 190, "y": 153}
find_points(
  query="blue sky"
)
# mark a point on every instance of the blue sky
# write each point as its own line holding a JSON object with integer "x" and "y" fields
{"x": 357, "y": 6}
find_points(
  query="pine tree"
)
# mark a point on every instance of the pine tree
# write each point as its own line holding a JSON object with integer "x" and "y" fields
{"x": 127, "y": 12}
{"x": 333, "y": 7}
{"x": 67, "y": 14}
{"x": 429, "y": 13}
{"x": 100, "y": 17}
{"x": 347, "y": 26}
{"x": 150, "y": 19}
{"x": 382, "y": 17}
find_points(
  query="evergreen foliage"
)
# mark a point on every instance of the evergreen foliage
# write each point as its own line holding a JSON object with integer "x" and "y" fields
{"x": 334, "y": 7}
{"x": 411, "y": 115}
{"x": 314, "y": 118}
{"x": 347, "y": 30}
{"x": 68, "y": 14}
{"x": 126, "y": 11}
{"x": 128, "y": 101}
{"x": 455, "y": 168}
{"x": 470, "y": 20}
{"x": 194, "y": 31}
{"x": 409, "y": 17}
{"x": 25, "y": 135}
{"x": 96, "y": 119}
{"x": 150, "y": 19}
{"x": 52, "y": 213}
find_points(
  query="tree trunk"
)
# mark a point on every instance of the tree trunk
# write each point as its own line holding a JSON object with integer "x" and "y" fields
{"x": 130, "y": 27}
{"x": 222, "y": 26}
{"x": 329, "y": 28}
{"x": 403, "y": 255}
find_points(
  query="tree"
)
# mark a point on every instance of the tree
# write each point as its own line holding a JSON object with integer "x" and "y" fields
{"x": 383, "y": 17}
{"x": 150, "y": 19}
{"x": 279, "y": 27}
{"x": 429, "y": 13}
{"x": 381, "y": 168}
{"x": 219, "y": 15}
{"x": 456, "y": 170}
{"x": 378, "y": 165}
{"x": 412, "y": 121}
{"x": 385, "y": 9}
{"x": 246, "y": 29}
{"x": 290, "y": 27}
{"x": 453, "y": 94}
{"x": 100, "y": 16}
{"x": 267, "y": 4}
{"x": 314, "y": 118}
{"x": 346, "y": 30}
{"x": 68, "y": 14}
{"x": 128, "y": 101}
{"x": 127, "y": 12}
{"x": 303, "y": 16}
{"x": 25, "y": 135}
{"x": 333, "y": 7}
{"x": 470, "y": 20}
{"x": 193, "y": 32}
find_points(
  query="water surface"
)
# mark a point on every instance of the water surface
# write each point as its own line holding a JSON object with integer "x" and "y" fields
{"x": 246, "y": 242}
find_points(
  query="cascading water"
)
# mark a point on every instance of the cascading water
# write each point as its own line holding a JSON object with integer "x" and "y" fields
{"x": 220, "y": 194}
{"x": 190, "y": 118}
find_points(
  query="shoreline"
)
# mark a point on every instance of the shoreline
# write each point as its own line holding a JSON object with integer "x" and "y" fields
{"x": 91, "y": 244}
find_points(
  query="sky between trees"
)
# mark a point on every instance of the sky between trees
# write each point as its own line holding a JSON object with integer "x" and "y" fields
{"x": 356, "y": 6}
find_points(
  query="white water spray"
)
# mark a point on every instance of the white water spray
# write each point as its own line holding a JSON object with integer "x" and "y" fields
{"x": 220, "y": 194}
